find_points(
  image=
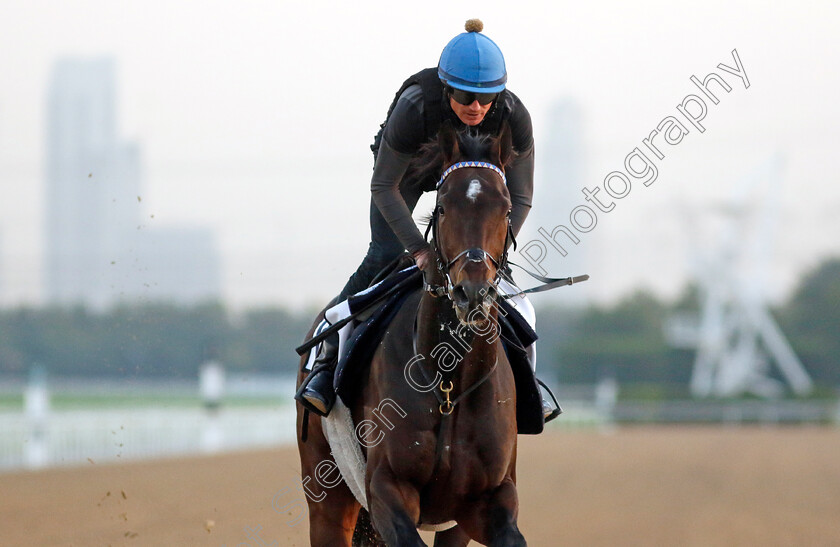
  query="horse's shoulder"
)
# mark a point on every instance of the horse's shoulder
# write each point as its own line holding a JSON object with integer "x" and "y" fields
{"x": 402, "y": 326}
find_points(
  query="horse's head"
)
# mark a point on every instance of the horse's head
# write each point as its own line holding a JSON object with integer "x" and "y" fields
{"x": 471, "y": 220}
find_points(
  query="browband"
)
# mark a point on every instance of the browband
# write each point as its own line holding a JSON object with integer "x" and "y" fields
{"x": 462, "y": 164}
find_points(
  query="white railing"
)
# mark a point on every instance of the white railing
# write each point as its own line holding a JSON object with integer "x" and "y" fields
{"x": 39, "y": 436}
{"x": 102, "y": 436}
{"x": 84, "y": 437}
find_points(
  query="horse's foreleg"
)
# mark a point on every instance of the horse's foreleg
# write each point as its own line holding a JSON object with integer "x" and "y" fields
{"x": 492, "y": 521}
{"x": 394, "y": 510}
{"x": 454, "y": 537}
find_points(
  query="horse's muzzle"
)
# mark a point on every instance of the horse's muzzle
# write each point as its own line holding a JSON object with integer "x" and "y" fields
{"x": 470, "y": 296}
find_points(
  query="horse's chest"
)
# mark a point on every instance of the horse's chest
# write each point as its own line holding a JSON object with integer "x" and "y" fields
{"x": 461, "y": 476}
{"x": 466, "y": 466}
{"x": 478, "y": 462}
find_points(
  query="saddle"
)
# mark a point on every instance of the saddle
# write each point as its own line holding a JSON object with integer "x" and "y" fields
{"x": 369, "y": 329}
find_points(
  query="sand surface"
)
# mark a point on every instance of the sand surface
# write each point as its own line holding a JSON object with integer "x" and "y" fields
{"x": 649, "y": 486}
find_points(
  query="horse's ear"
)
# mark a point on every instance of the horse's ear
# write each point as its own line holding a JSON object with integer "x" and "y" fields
{"x": 502, "y": 150}
{"x": 448, "y": 141}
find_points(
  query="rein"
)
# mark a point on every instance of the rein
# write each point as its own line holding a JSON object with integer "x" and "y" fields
{"x": 480, "y": 255}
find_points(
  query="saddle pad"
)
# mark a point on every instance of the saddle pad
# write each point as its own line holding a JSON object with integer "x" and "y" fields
{"x": 362, "y": 343}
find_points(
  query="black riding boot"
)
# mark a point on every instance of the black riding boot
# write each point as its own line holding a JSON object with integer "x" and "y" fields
{"x": 316, "y": 393}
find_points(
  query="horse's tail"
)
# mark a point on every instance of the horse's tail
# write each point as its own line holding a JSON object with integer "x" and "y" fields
{"x": 365, "y": 535}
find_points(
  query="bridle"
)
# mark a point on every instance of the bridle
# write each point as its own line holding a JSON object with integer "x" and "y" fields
{"x": 473, "y": 254}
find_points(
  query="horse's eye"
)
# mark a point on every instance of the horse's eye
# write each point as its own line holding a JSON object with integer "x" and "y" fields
{"x": 508, "y": 213}
{"x": 440, "y": 210}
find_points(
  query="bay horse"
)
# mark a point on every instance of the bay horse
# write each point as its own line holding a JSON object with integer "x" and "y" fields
{"x": 450, "y": 452}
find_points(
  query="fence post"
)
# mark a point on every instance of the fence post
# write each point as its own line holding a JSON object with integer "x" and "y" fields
{"x": 606, "y": 396}
{"x": 212, "y": 387}
{"x": 36, "y": 404}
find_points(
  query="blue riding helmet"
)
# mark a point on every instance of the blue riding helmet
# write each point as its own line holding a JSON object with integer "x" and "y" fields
{"x": 473, "y": 62}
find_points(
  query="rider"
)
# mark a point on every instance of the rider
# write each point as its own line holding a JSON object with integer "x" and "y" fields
{"x": 467, "y": 89}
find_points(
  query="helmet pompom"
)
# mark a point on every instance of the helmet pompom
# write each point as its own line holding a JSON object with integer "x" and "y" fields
{"x": 474, "y": 25}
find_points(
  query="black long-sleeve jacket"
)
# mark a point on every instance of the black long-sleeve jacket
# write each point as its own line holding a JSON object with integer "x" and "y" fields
{"x": 406, "y": 130}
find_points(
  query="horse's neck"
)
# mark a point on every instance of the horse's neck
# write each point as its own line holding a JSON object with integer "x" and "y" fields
{"x": 441, "y": 338}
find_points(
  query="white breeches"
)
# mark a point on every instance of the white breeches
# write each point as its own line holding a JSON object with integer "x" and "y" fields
{"x": 526, "y": 309}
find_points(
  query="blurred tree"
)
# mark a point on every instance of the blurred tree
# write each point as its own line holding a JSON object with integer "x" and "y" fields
{"x": 157, "y": 339}
{"x": 624, "y": 341}
{"x": 266, "y": 339}
{"x": 811, "y": 320}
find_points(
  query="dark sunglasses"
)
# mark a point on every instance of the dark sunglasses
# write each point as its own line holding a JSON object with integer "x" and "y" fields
{"x": 468, "y": 97}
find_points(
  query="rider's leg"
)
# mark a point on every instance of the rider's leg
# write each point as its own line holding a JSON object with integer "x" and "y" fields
{"x": 317, "y": 394}
{"x": 383, "y": 249}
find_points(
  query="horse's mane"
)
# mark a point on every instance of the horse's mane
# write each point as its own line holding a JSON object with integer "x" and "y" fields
{"x": 427, "y": 165}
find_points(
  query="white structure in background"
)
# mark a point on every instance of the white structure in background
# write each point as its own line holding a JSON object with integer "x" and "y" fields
{"x": 211, "y": 384}
{"x": 36, "y": 405}
{"x": 2, "y": 280}
{"x": 606, "y": 397}
{"x": 100, "y": 246}
{"x": 735, "y": 336}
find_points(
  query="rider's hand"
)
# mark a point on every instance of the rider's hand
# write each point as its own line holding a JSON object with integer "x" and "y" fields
{"x": 423, "y": 257}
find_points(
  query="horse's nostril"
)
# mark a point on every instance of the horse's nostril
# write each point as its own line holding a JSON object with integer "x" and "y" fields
{"x": 459, "y": 294}
{"x": 491, "y": 293}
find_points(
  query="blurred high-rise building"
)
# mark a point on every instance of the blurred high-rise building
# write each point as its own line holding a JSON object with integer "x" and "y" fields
{"x": 2, "y": 280}
{"x": 86, "y": 165}
{"x": 559, "y": 178}
{"x": 98, "y": 249}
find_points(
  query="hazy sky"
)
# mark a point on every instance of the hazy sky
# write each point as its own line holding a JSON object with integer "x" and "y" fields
{"x": 255, "y": 118}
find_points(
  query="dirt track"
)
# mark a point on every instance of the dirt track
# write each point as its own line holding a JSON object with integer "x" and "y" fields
{"x": 656, "y": 486}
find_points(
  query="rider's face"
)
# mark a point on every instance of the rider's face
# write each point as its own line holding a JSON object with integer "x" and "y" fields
{"x": 470, "y": 114}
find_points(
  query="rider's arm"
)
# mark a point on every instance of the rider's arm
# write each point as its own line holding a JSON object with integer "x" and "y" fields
{"x": 401, "y": 139}
{"x": 520, "y": 173}
{"x": 520, "y": 176}
{"x": 385, "y": 188}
